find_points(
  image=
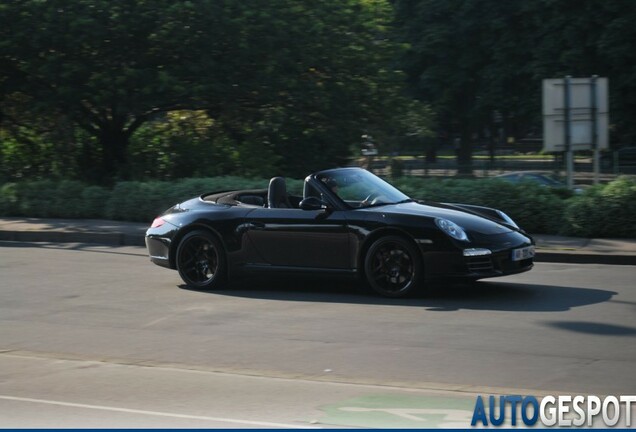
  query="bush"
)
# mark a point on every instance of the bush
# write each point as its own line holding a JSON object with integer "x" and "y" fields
{"x": 95, "y": 199}
{"x": 137, "y": 201}
{"x": 36, "y": 199}
{"x": 604, "y": 211}
{"x": 66, "y": 200}
{"x": 536, "y": 209}
{"x": 601, "y": 211}
{"x": 9, "y": 199}
{"x": 142, "y": 201}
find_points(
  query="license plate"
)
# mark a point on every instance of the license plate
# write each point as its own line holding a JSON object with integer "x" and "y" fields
{"x": 522, "y": 253}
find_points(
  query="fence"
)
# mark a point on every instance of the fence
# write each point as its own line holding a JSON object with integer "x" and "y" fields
{"x": 484, "y": 167}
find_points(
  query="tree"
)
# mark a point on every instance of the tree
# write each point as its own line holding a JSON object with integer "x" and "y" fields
{"x": 468, "y": 58}
{"x": 109, "y": 66}
{"x": 288, "y": 80}
{"x": 584, "y": 38}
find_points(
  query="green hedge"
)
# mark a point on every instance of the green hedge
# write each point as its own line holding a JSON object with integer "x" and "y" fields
{"x": 129, "y": 200}
{"x": 537, "y": 209}
{"x": 602, "y": 211}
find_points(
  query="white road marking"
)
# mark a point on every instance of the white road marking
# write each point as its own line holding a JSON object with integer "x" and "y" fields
{"x": 157, "y": 413}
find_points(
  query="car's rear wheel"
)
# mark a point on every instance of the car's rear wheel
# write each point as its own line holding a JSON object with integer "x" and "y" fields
{"x": 201, "y": 260}
{"x": 393, "y": 266}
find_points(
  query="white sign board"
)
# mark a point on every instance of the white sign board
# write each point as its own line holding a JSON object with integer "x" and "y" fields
{"x": 581, "y": 114}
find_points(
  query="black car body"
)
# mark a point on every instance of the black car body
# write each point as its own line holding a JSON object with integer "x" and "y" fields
{"x": 348, "y": 222}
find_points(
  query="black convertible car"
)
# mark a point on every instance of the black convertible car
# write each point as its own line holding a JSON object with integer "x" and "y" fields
{"x": 347, "y": 222}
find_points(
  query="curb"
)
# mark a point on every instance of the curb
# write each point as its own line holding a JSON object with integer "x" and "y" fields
{"x": 585, "y": 258}
{"x": 121, "y": 239}
{"x": 114, "y": 239}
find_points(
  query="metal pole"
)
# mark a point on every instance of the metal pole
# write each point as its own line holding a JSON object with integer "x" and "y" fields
{"x": 569, "y": 154}
{"x": 597, "y": 160}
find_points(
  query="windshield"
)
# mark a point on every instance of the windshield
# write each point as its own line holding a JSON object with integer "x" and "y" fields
{"x": 360, "y": 188}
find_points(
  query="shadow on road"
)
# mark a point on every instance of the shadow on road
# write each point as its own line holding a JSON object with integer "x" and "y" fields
{"x": 516, "y": 297}
{"x": 593, "y": 328}
{"x": 495, "y": 296}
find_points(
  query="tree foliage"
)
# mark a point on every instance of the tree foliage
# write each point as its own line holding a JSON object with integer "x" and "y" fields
{"x": 470, "y": 58}
{"x": 290, "y": 82}
{"x": 89, "y": 89}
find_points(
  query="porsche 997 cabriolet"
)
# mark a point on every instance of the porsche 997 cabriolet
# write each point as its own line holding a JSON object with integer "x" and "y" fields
{"x": 347, "y": 222}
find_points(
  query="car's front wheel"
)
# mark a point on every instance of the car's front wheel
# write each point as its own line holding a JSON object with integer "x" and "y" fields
{"x": 200, "y": 260}
{"x": 393, "y": 266}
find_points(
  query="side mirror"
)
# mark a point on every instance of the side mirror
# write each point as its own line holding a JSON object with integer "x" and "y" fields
{"x": 313, "y": 203}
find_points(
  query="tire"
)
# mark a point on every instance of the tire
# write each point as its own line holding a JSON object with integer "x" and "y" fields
{"x": 201, "y": 260}
{"x": 393, "y": 267}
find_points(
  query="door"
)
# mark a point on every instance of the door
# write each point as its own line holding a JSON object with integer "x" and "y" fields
{"x": 310, "y": 239}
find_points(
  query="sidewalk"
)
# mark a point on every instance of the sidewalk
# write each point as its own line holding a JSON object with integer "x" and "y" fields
{"x": 549, "y": 248}
{"x": 73, "y": 231}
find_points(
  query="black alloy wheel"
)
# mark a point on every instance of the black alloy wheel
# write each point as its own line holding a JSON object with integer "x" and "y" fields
{"x": 393, "y": 266}
{"x": 201, "y": 260}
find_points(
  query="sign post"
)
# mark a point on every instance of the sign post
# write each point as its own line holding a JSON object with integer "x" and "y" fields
{"x": 597, "y": 156}
{"x": 569, "y": 153}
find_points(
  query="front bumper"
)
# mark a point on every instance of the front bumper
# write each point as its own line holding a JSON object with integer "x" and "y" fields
{"x": 159, "y": 250}
{"x": 499, "y": 262}
{"x": 455, "y": 265}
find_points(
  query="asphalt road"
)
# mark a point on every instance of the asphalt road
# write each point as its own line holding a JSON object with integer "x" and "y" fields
{"x": 94, "y": 336}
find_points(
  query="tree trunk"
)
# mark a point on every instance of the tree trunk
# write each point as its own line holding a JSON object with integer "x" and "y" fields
{"x": 465, "y": 124}
{"x": 114, "y": 142}
{"x": 465, "y": 154}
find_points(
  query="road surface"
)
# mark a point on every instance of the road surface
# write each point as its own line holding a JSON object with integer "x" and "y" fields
{"x": 94, "y": 336}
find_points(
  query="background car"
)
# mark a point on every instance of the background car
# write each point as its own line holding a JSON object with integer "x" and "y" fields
{"x": 348, "y": 222}
{"x": 542, "y": 178}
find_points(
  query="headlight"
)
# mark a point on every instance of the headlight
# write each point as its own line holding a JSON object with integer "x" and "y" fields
{"x": 452, "y": 229}
{"x": 507, "y": 218}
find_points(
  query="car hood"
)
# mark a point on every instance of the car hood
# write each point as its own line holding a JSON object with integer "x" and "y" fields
{"x": 468, "y": 221}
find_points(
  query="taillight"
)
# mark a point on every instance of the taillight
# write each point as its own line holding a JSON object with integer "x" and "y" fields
{"x": 157, "y": 222}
